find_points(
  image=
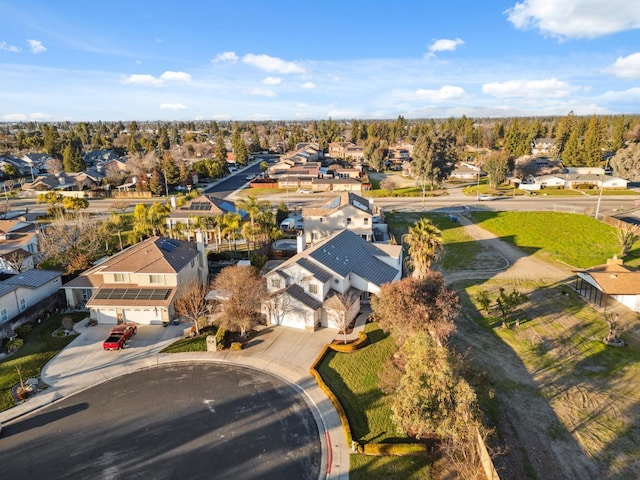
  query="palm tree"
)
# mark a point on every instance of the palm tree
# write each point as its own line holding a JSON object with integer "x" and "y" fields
{"x": 231, "y": 226}
{"x": 425, "y": 244}
{"x": 253, "y": 207}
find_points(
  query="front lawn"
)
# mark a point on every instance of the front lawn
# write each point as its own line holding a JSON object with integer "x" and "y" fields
{"x": 40, "y": 346}
{"x": 574, "y": 239}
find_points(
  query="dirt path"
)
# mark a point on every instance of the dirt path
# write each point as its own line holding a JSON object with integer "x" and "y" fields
{"x": 545, "y": 417}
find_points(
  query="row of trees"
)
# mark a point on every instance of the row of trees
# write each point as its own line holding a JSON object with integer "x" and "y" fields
{"x": 425, "y": 377}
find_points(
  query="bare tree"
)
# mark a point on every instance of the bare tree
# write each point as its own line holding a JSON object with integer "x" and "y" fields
{"x": 54, "y": 166}
{"x": 388, "y": 184}
{"x": 15, "y": 260}
{"x": 627, "y": 234}
{"x": 245, "y": 291}
{"x": 341, "y": 308}
{"x": 190, "y": 302}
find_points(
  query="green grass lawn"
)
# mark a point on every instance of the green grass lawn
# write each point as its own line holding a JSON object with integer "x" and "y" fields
{"x": 574, "y": 239}
{"x": 460, "y": 249}
{"x": 353, "y": 378}
{"x": 39, "y": 347}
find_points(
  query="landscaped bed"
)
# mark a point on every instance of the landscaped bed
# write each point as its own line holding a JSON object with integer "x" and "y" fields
{"x": 40, "y": 345}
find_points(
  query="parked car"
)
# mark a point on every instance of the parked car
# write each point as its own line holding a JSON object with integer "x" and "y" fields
{"x": 119, "y": 336}
{"x": 251, "y": 176}
{"x": 482, "y": 198}
{"x": 304, "y": 190}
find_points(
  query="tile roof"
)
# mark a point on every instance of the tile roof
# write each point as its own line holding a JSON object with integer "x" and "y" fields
{"x": 317, "y": 271}
{"x": 206, "y": 205}
{"x": 297, "y": 292}
{"x": 346, "y": 253}
{"x": 153, "y": 255}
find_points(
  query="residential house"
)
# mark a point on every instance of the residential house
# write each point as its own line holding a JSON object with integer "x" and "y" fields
{"x": 18, "y": 245}
{"x": 355, "y": 153}
{"x": 466, "y": 171}
{"x": 611, "y": 280}
{"x": 26, "y": 289}
{"x": 336, "y": 185}
{"x": 543, "y": 146}
{"x": 302, "y": 289}
{"x": 339, "y": 149}
{"x": 204, "y": 206}
{"x": 139, "y": 284}
{"x": 345, "y": 211}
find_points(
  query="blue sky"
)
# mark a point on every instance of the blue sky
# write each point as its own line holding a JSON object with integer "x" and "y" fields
{"x": 294, "y": 60}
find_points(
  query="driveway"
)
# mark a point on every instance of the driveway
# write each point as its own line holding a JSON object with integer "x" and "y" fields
{"x": 284, "y": 352}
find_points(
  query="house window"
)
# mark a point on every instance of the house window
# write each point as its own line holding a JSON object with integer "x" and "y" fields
{"x": 157, "y": 279}
{"x": 193, "y": 262}
{"x": 3, "y": 315}
{"x": 366, "y": 220}
{"x": 121, "y": 277}
{"x": 275, "y": 283}
{"x": 313, "y": 288}
{"x": 349, "y": 221}
{"x": 86, "y": 294}
{"x": 321, "y": 219}
{"x": 23, "y": 304}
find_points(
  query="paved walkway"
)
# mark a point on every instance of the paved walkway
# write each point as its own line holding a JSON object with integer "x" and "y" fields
{"x": 284, "y": 352}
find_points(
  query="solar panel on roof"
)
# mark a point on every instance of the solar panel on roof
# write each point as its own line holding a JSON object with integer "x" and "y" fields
{"x": 133, "y": 294}
{"x": 164, "y": 244}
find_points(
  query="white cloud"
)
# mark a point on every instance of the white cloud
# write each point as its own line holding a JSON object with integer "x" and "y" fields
{"x": 14, "y": 117}
{"x": 631, "y": 94}
{"x": 230, "y": 57}
{"x": 142, "y": 79}
{"x": 550, "y": 88}
{"x": 263, "y": 92}
{"x": 170, "y": 76}
{"x": 173, "y": 106}
{"x": 444, "y": 45}
{"x": 36, "y": 46}
{"x": 627, "y": 67}
{"x": 21, "y": 117}
{"x": 446, "y": 92}
{"x": 308, "y": 85}
{"x": 575, "y": 18}
{"x": 150, "y": 80}
{"x": 9, "y": 48}
{"x": 272, "y": 81}
{"x": 272, "y": 64}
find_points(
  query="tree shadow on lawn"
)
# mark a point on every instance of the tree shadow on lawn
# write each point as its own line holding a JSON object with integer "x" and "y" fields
{"x": 532, "y": 449}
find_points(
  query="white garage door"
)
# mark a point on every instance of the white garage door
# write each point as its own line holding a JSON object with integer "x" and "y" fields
{"x": 295, "y": 320}
{"x": 107, "y": 317}
{"x": 143, "y": 316}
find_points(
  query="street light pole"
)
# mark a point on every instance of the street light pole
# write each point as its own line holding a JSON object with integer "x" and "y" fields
{"x": 599, "y": 196}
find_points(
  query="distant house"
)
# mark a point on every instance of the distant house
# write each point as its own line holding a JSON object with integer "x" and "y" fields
{"x": 302, "y": 289}
{"x": 204, "y": 206}
{"x": 336, "y": 185}
{"x": 345, "y": 211}
{"x": 26, "y": 289}
{"x": 543, "y": 146}
{"x": 466, "y": 171}
{"x": 611, "y": 280}
{"x": 139, "y": 284}
{"x": 18, "y": 246}
{"x": 338, "y": 149}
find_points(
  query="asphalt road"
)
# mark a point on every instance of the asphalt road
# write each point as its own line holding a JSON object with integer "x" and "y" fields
{"x": 187, "y": 421}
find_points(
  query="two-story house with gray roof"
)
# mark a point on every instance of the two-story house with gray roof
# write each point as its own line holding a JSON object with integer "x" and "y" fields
{"x": 302, "y": 289}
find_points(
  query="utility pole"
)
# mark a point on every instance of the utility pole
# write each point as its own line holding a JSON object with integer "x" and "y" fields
{"x": 599, "y": 196}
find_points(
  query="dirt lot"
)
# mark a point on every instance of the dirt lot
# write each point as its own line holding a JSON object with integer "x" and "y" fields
{"x": 568, "y": 407}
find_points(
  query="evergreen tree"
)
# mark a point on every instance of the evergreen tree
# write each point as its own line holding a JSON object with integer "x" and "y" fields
{"x": 220, "y": 150}
{"x": 572, "y": 152}
{"x": 72, "y": 156}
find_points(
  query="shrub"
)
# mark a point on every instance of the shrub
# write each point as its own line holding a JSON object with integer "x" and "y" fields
{"x": 15, "y": 344}
{"x": 236, "y": 346}
{"x": 23, "y": 330}
{"x": 221, "y": 338}
{"x": 67, "y": 323}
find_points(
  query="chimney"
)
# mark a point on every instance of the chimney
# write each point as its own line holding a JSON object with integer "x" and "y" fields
{"x": 301, "y": 243}
{"x": 614, "y": 261}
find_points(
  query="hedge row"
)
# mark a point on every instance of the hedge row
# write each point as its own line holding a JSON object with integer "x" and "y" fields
{"x": 399, "y": 449}
{"x": 362, "y": 341}
{"x": 334, "y": 400}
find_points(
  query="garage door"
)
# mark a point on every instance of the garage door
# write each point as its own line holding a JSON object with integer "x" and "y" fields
{"x": 143, "y": 316}
{"x": 107, "y": 317}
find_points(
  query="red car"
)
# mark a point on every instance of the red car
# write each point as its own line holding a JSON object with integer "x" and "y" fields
{"x": 119, "y": 336}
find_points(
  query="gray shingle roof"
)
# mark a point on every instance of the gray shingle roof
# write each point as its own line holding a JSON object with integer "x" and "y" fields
{"x": 32, "y": 278}
{"x": 317, "y": 271}
{"x": 347, "y": 252}
{"x": 297, "y": 292}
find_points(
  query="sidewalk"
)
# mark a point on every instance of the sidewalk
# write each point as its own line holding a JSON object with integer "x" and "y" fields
{"x": 284, "y": 352}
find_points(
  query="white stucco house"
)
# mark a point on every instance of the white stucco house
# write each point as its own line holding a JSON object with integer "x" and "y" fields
{"x": 26, "y": 289}
{"x": 306, "y": 291}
